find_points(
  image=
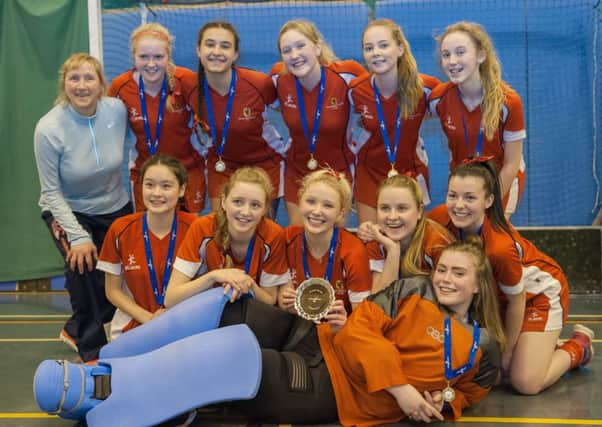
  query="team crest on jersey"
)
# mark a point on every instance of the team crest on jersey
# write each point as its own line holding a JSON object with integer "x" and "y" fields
{"x": 449, "y": 124}
{"x": 132, "y": 264}
{"x": 247, "y": 114}
{"x": 134, "y": 115}
{"x": 333, "y": 103}
{"x": 365, "y": 112}
{"x": 288, "y": 102}
{"x": 434, "y": 333}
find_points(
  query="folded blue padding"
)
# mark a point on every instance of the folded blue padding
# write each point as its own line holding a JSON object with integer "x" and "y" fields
{"x": 210, "y": 367}
{"x": 199, "y": 313}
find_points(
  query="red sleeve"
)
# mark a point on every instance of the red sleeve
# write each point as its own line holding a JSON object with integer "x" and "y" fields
{"x": 359, "y": 278}
{"x": 439, "y": 214}
{"x": 109, "y": 252}
{"x": 277, "y": 68}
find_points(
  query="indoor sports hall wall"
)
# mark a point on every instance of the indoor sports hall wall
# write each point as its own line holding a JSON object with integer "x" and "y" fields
{"x": 550, "y": 53}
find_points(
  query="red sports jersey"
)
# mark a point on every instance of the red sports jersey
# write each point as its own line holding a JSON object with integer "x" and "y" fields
{"x": 123, "y": 254}
{"x": 518, "y": 265}
{"x": 251, "y": 138}
{"x": 334, "y": 135}
{"x": 401, "y": 343}
{"x": 435, "y": 240}
{"x": 177, "y": 124}
{"x": 350, "y": 278}
{"x": 372, "y": 157}
{"x": 201, "y": 253}
{"x": 446, "y": 103}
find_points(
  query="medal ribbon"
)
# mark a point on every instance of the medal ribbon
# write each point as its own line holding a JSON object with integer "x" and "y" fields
{"x": 168, "y": 263}
{"x": 331, "y": 251}
{"x": 466, "y": 139}
{"x": 391, "y": 152}
{"x": 451, "y": 373}
{"x": 152, "y": 146}
{"x": 249, "y": 255}
{"x": 209, "y": 106}
{"x": 317, "y": 114}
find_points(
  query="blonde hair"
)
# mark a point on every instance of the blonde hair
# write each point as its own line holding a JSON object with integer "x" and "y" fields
{"x": 411, "y": 264}
{"x": 75, "y": 61}
{"x": 309, "y": 30}
{"x": 335, "y": 180}
{"x": 158, "y": 32}
{"x": 484, "y": 307}
{"x": 250, "y": 175}
{"x": 410, "y": 89}
{"x": 490, "y": 72}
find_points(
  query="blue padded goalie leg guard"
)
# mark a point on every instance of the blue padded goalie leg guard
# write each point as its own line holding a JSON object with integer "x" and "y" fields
{"x": 65, "y": 388}
{"x": 214, "y": 366}
{"x": 199, "y": 313}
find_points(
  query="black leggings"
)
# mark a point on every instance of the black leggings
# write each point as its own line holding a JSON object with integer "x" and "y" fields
{"x": 295, "y": 383}
{"x": 89, "y": 305}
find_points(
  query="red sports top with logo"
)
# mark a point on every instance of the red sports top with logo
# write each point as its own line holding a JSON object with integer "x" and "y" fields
{"x": 519, "y": 265}
{"x": 372, "y": 157}
{"x": 177, "y": 124}
{"x": 200, "y": 252}
{"x": 251, "y": 138}
{"x": 394, "y": 338}
{"x": 445, "y": 102}
{"x": 435, "y": 240}
{"x": 350, "y": 278}
{"x": 123, "y": 254}
{"x": 334, "y": 133}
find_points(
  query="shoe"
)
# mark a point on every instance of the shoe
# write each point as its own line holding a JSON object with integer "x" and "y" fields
{"x": 584, "y": 336}
{"x": 68, "y": 339}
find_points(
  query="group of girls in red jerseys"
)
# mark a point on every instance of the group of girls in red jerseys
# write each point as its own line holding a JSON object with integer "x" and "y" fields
{"x": 354, "y": 134}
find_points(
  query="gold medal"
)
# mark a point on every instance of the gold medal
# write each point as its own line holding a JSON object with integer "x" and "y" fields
{"x": 220, "y": 166}
{"x": 392, "y": 172}
{"x": 312, "y": 164}
{"x": 448, "y": 393}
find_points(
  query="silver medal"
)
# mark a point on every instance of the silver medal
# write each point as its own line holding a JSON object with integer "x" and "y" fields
{"x": 220, "y": 166}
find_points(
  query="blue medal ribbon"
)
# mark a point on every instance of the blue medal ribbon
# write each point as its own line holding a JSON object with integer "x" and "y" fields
{"x": 168, "y": 263}
{"x": 209, "y": 106}
{"x": 451, "y": 373}
{"x": 479, "y": 147}
{"x": 249, "y": 254}
{"x": 391, "y": 151}
{"x": 317, "y": 115}
{"x": 152, "y": 146}
{"x": 331, "y": 251}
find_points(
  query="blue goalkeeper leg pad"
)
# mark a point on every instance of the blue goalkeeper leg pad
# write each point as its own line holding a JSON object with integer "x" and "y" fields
{"x": 66, "y": 389}
{"x": 199, "y": 313}
{"x": 214, "y": 366}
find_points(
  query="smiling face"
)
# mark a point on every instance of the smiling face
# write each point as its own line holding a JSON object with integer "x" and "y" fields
{"x": 320, "y": 207}
{"x": 245, "y": 206}
{"x": 151, "y": 58}
{"x": 381, "y": 51}
{"x": 161, "y": 190}
{"x": 467, "y": 202}
{"x": 397, "y": 213}
{"x": 300, "y": 55}
{"x": 83, "y": 88}
{"x": 217, "y": 50}
{"x": 455, "y": 280}
{"x": 460, "y": 58}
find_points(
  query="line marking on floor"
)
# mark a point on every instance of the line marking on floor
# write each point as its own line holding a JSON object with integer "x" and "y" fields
{"x": 30, "y": 322}
{"x": 29, "y": 339}
{"x": 529, "y": 421}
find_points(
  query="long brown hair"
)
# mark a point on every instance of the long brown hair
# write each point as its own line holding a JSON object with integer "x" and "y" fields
{"x": 411, "y": 264}
{"x": 486, "y": 171}
{"x": 201, "y": 70}
{"x": 248, "y": 174}
{"x": 490, "y": 72}
{"x": 410, "y": 89}
{"x": 484, "y": 307}
{"x": 158, "y": 32}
